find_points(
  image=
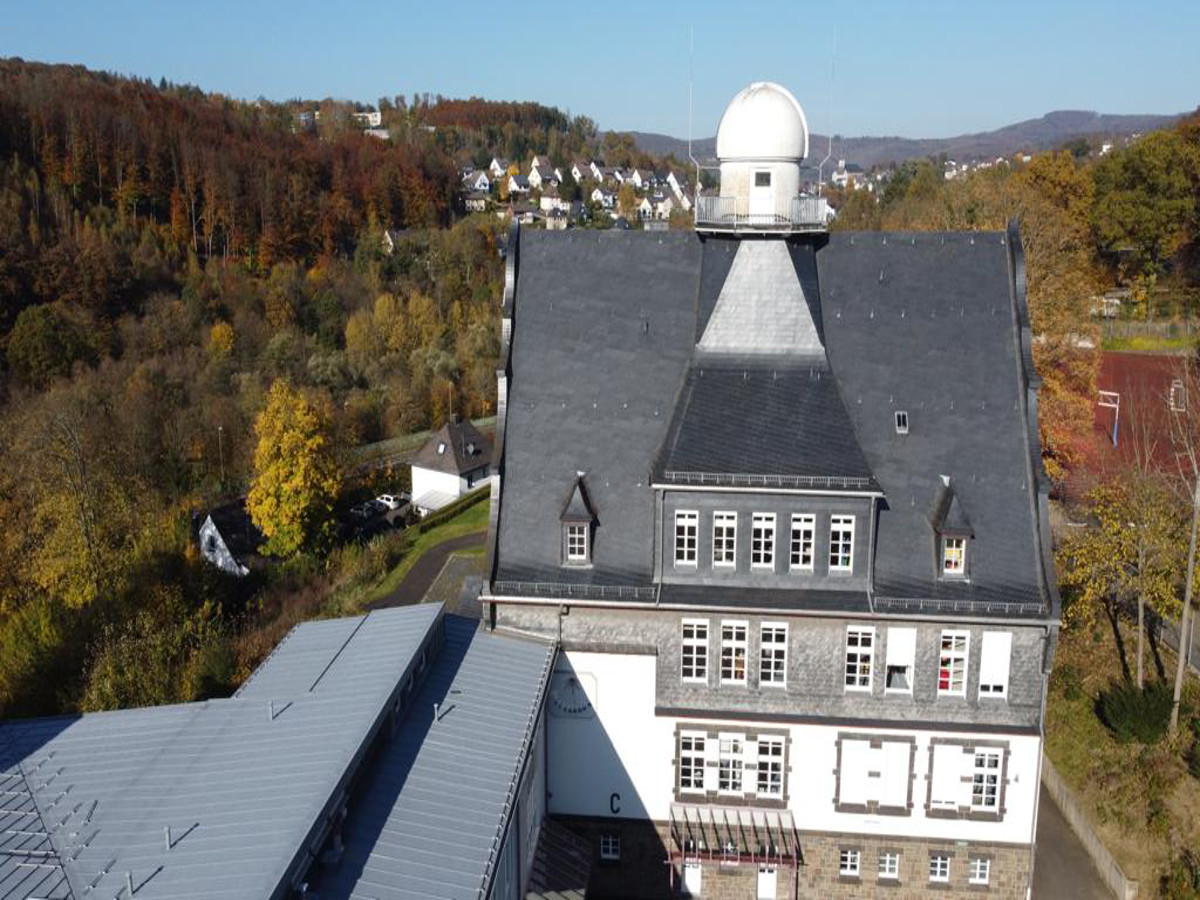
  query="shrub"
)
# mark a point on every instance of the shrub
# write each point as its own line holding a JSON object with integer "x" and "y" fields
{"x": 1066, "y": 678}
{"x": 1136, "y": 715}
{"x": 1182, "y": 881}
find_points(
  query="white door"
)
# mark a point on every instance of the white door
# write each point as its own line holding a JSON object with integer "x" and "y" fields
{"x": 691, "y": 879}
{"x": 767, "y": 879}
{"x": 762, "y": 196}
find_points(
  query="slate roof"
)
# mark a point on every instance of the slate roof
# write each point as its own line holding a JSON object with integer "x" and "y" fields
{"x": 429, "y": 818}
{"x": 456, "y": 448}
{"x": 246, "y": 784}
{"x": 760, "y": 419}
{"x": 603, "y": 353}
{"x": 237, "y": 528}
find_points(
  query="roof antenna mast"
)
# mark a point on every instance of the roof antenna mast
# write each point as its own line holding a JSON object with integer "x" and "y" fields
{"x": 829, "y": 149}
{"x": 691, "y": 54}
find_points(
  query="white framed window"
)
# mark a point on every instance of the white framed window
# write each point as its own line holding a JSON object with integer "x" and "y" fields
{"x": 770, "y": 767}
{"x": 985, "y": 781}
{"x": 762, "y": 179}
{"x": 850, "y": 863}
{"x": 724, "y": 539}
{"x": 939, "y": 867}
{"x": 577, "y": 542}
{"x": 889, "y": 865}
{"x": 694, "y": 654}
{"x": 691, "y": 762}
{"x": 952, "y": 663}
{"x": 841, "y": 543}
{"x": 610, "y": 846}
{"x": 954, "y": 557}
{"x": 901, "y": 421}
{"x": 729, "y": 763}
{"x": 979, "y": 870}
{"x": 860, "y": 655}
{"x": 733, "y": 652}
{"x": 772, "y": 654}
{"x": 995, "y": 656}
{"x": 901, "y": 660}
{"x": 762, "y": 541}
{"x": 687, "y": 525}
{"x": 801, "y": 555}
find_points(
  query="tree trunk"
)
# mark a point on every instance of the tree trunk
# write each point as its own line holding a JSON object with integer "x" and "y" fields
{"x": 1141, "y": 651}
{"x": 1184, "y": 620}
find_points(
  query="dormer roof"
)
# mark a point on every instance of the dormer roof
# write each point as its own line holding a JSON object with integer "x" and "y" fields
{"x": 578, "y": 508}
{"x": 456, "y": 448}
{"x": 948, "y": 516}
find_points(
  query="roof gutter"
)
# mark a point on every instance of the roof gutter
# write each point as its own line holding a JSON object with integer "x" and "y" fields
{"x": 1033, "y": 622}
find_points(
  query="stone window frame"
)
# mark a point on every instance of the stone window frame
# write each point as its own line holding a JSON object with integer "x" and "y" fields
{"x": 980, "y": 857}
{"x": 854, "y": 877}
{"x": 948, "y": 855}
{"x": 712, "y": 732}
{"x": 969, "y": 746}
{"x": 874, "y": 807}
{"x": 888, "y": 879}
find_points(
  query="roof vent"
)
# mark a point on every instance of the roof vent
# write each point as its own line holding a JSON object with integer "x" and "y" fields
{"x": 901, "y": 421}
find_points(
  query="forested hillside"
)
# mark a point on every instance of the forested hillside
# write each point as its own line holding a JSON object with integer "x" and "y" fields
{"x": 165, "y": 256}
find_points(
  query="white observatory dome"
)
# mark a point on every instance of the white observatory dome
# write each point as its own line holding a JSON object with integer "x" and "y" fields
{"x": 763, "y": 122}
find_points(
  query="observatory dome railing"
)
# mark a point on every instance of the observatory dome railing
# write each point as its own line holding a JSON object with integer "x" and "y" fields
{"x": 743, "y": 214}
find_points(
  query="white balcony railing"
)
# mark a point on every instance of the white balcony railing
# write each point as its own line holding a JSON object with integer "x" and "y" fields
{"x": 744, "y": 214}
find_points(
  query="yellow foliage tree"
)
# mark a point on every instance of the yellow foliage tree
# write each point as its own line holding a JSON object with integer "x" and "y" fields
{"x": 296, "y": 474}
{"x": 220, "y": 340}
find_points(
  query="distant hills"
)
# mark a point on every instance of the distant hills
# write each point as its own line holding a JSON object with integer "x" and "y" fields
{"x": 1051, "y": 130}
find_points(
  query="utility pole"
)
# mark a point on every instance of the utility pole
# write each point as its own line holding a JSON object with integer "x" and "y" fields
{"x": 221, "y": 451}
{"x": 1185, "y": 619}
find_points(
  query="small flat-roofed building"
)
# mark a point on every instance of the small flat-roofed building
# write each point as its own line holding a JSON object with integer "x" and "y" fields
{"x": 456, "y": 460}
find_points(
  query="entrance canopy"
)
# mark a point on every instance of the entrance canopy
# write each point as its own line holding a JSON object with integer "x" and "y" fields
{"x": 734, "y": 834}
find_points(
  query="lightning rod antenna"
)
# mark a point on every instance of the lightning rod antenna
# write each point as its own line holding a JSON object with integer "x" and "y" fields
{"x": 829, "y": 112}
{"x": 691, "y": 54}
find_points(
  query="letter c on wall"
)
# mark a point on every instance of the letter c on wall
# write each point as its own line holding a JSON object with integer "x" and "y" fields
{"x": 614, "y": 803}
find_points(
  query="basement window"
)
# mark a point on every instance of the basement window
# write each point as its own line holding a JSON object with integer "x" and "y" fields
{"x": 901, "y": 421}
{"x": 610, "y": 846}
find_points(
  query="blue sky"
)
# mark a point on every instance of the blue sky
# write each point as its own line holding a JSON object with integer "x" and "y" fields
{"x": 916, "y": 69}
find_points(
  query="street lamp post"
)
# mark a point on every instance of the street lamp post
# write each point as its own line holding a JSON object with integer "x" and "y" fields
{"x": 221, "y": 451}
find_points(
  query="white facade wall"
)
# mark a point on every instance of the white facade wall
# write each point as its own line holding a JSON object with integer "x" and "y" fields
{"x": 609, "y": 745}
{"x": 621, "y": 748}
{"x": 214, "y": 549}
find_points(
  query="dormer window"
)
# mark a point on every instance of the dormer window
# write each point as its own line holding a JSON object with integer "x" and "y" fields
{"x": 952, "y": 531}
{"x": 578, "y": 522}
{"x": 954, "y": 556}
{"x": 901, "y": 421}
{"x": 577, "y": 543}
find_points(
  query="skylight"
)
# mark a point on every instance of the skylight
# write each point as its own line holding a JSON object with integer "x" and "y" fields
{"x": 901, "y": 421}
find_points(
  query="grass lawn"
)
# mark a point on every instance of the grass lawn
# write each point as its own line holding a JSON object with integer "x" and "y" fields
{"x": 1144, "y": 344}
{"x": 1140, "y": 798}
{"x": 473, "y": 519}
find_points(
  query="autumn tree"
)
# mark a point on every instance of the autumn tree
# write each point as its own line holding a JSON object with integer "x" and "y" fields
{"x": 1132, "y": 554}
{"x": 296, "y": 473}
{"x": 627, "y": 201}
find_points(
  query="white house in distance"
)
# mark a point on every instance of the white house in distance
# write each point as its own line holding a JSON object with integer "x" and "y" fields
{"x": 454, "y": 461}
{"x": 478, "y": 181}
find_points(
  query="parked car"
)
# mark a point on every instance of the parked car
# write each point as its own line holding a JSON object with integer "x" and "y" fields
{"x": 391, "y": 501}
{"x": 363, "y": 510}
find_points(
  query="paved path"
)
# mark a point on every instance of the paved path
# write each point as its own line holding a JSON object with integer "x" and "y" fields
{"x": 419, "y": 578}
{"x": 1062, "y": 868}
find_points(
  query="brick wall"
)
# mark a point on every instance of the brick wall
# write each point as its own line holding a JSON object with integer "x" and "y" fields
{"x": 643, "y": 872}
